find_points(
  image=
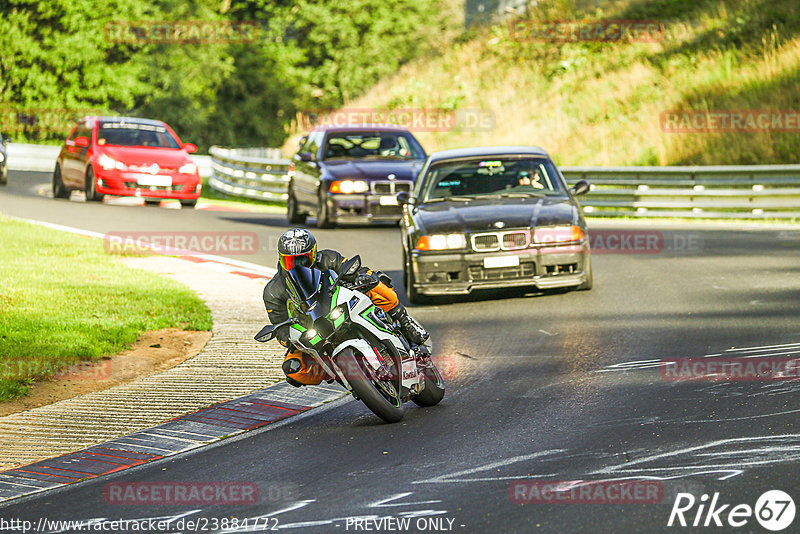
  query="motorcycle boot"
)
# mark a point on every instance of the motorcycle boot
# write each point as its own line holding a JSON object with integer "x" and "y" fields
{"x": 408, "y": 326}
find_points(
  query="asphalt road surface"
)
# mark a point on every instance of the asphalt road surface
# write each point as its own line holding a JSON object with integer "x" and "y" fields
{"x": 541, "y": 388}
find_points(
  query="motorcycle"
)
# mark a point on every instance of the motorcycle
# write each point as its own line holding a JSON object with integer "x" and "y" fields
{"x": 356, "y": 343}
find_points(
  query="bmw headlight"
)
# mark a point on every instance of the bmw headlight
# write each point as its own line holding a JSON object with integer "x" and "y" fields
{"x": 349, "y": 186}
{"x": 442, "y": 242}
{"x": 544, "y": 235}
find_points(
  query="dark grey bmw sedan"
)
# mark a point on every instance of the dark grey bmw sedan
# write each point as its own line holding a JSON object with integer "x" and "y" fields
{"x": 493, "y": 217}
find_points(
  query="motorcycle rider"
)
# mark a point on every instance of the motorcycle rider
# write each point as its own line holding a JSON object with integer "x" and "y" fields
{"x": 297, "y": 246}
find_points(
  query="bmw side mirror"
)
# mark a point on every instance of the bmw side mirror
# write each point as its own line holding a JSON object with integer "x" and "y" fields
{"x": 305, "y": 156}
{"x": 190, "y": 147}
{"x": 580, "y": 188}
{"x": 404, "y": 197}
{"x": 82, "y": 141}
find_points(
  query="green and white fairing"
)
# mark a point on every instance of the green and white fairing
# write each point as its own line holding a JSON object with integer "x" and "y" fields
{"x": 349, "y": 308}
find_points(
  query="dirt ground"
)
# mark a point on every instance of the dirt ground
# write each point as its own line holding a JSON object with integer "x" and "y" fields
{"x": 152, "y": 353}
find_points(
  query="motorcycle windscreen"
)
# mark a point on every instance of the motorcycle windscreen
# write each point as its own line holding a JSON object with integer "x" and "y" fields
{"x": 303, "y": 283}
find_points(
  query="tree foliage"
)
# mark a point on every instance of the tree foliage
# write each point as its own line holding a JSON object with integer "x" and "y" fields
{"x": 59, "y": 60}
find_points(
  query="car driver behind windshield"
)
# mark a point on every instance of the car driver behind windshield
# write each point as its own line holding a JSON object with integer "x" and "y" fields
{"x": 298, "y": 246}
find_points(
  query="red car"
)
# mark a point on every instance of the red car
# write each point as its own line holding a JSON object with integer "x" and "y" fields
{"x": 126, "y": 156}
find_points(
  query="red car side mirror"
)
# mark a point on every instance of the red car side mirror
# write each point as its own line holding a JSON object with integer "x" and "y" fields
{"x": 82, "y": 141}
{"x": 190, "y": 147}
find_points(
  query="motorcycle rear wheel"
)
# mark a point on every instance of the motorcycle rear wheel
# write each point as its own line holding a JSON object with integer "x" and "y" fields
{"x": 366, "y": 391}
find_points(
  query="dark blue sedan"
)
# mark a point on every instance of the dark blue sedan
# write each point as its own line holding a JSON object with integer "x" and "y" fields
{"x": 352, "y": 174}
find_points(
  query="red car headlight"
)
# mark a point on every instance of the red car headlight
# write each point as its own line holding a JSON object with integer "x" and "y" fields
{"x": 188, "y": 168}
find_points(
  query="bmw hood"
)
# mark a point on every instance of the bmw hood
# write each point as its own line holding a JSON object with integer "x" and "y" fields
{"x": 341, "y": 169}
{"x": 493, "y": 214}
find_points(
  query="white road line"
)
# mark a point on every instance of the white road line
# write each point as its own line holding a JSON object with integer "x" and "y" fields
{"x": 783, "y": 353}
{"x": 502, "y": 463}
{"x": 762, "y": 347}
{"x": 626, "y": 466}
{"x": 383, "y": 503}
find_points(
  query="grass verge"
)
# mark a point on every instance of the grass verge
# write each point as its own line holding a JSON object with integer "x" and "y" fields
{"x": 63, "y": 301}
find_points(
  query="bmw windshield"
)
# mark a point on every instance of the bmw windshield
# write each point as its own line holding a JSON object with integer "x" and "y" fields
{"x": 491, "y": 177}
{"x": 377, "y": 145}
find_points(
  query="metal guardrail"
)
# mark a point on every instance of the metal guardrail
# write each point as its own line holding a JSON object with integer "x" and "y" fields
{"x": 724, "y": 192}
{"x": 42, "y": 158}
{"x": 257, "y": 173}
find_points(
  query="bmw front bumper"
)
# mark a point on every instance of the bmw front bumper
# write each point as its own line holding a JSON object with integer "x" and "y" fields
{"x": 461, "y": 273}
{"x": 363, "y": 208}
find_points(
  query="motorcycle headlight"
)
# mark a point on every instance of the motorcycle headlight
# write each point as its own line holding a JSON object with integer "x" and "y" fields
{"x": 441, "y": 242}
{"x": 338, "y": 315}
{"x": 312, "y": 336}
{"x": 188, "y": 168}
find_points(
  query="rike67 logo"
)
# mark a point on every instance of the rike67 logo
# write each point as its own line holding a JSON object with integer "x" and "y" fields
{"x": 774, "y": 510}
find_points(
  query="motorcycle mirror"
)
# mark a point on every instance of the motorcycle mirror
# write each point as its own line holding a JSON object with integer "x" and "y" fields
{"x": 351, "y": 266}
{"x": 267, "y": 333}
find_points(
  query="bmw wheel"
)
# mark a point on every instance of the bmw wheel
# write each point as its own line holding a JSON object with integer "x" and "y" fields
{"x": 323, "y": 214}
{"x": 293, "y": 214}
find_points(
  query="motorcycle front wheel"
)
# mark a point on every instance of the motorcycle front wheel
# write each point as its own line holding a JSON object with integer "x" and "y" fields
{"x": 434, "y": 388}
{"x": 381, "y": 397}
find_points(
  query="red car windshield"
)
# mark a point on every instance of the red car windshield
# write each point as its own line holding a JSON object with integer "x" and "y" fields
{"x": 134, "y": 134}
